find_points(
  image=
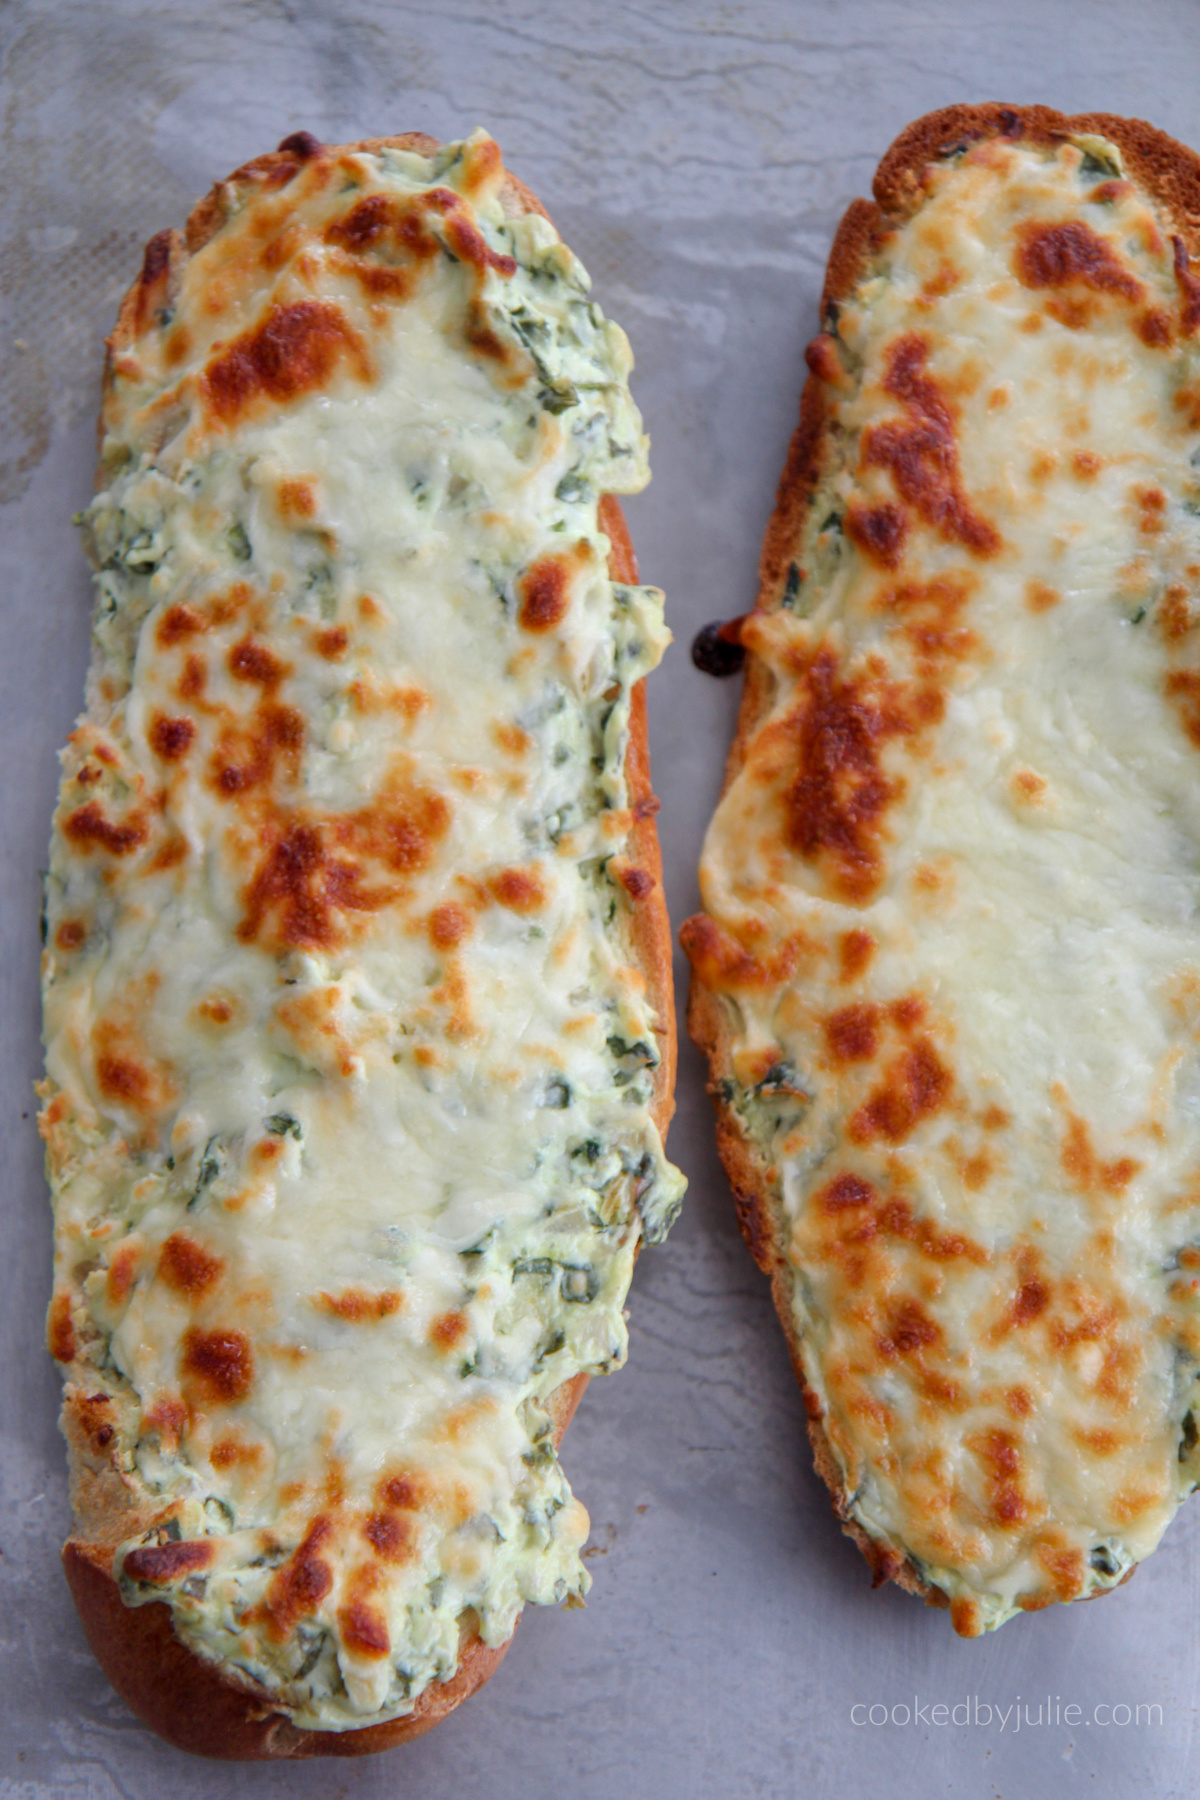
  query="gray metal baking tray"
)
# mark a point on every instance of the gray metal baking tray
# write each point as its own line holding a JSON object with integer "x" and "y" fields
{"x": 697, "y": 155}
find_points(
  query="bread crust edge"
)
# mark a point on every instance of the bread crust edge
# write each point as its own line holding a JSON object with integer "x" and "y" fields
{"x": 1170, "y": 173}
{"x": 184, "y": 1699}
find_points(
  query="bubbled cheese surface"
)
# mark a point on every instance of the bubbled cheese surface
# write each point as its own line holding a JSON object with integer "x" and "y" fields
{"x": 952, "y": 891}
{"x": 349, "y": 1064}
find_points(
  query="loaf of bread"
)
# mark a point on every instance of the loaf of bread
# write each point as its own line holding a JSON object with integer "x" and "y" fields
{"x": 357, "y": 979}
{"x": 948, "y": 970}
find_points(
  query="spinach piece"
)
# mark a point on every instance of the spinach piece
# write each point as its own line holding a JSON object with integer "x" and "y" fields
{"x": 283, "y": 1124}
{"x": 534, "y": 1265}
{"x": 211, "y": 1164}
{"x": 559, "y": 398}
{"x": 1097, "y": 168}
{"x": 580, "y": 1283}
{"x": 314, "y": 1638}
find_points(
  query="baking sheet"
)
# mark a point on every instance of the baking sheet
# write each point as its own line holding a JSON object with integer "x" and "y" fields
{"x": 697, "y": 156}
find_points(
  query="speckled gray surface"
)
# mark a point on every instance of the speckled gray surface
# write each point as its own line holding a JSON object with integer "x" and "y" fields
{"x": 697, "y": 156}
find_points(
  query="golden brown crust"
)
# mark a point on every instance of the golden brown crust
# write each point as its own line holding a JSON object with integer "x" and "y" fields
{"x": 181, "y": 1697}
{"x": 1170, "y": 173}
{"x": 194, "y": 1707}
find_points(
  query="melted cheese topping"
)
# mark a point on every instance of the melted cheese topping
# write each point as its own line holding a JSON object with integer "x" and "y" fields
{"x": 952, "y": 891}
{"x": 349, "y": 1069}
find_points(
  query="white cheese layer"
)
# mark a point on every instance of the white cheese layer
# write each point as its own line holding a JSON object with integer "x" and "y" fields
{"x": 952, "y": 894}
{"x": 349, "y": 1070}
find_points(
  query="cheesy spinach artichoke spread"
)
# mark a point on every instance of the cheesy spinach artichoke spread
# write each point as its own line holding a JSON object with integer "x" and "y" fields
{"x": 952, "y": 892}
{"x": 349, "y": 1058}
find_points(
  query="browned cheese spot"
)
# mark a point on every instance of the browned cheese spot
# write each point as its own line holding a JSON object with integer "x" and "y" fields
{"x": 921, "y": 451}
{"x": 1028, "y": 786}
{"x": 246, "y": 756}
{"x": 167, "y": 1419}
{"x": 70, "y": 934}
{"x": 391, "y": 1536}
{"x": 403, "y": 1490}
{"x": 1150, "y": 504}
{"x": 906, "y": 1012}
{"x": 855, "y": 950}
{"x": 852, "y": 1035}
{"x": 999, "y": 1453}
{"x": 60, "y": 1331}
{"x": 836, "y": 802}
{"x": 297, "y": 498}
{"x": 125, "y": 1074}
{"x": 860, "y": 1216}
{"x": 544, "y": 592}
{"x": 1074, "y": 262}
{"x": 1064, "y": 1565}
{"x": 361, "y": 1305}
{"x": 638, "y": 883}
{"x": 220, "y": 1363}
{"x": 449, "y": 924}
{"x": 254, "y": 662}
{"x": 90, "y": 828}
{"x": 914, "y": 1087}
{"x": 216, "y": 1009}
{"x": 1029, "y": 1301}
{"x": 1040, "y": 596}
{"x": 930, "y": 613}
{"x": 909, "y": 1331}
{"x": 187, "y": 1268}
{"x": 162, "y": 1563}
{"x": 1183, "y": 686}
{"x": 178, "y": 623}
{"x": 332, "y": 641}
{"x": 512, "y": 739}
{"x": 1154, "y": 328}
{"x": 122, "y": 1273}
{"x": 387, "y": 242}
{"x": 1175, "y": 613}
{"x": 235, "y": 1453}
{"x": 298, "y": 1588}
{"x": 153, "y": 279}
{"x": 448, "y": 1330}
{"x": 725, "y": 965}
{"x": 1086, "y": 1170}
{"x": 364, "y": 1631}
{"x": 193, "y": 680}
{"x": 311, "y": 873}
{"x": 470, "y": 246}
{"x": 878, "y": 531}
{"x": 171, "y": 739}
{"x": 520, "y": 890}
{"x": 295, "y": 351}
